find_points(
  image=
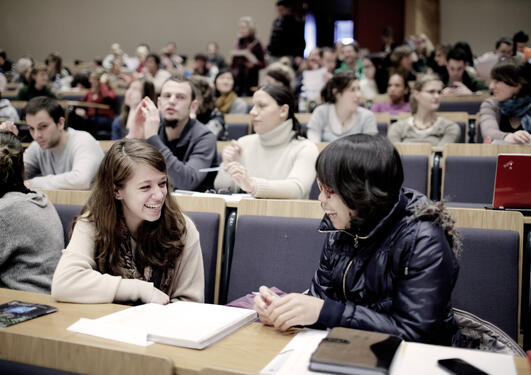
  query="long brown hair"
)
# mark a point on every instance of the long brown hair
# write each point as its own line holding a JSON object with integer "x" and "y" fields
{"x": 160, "y": 243}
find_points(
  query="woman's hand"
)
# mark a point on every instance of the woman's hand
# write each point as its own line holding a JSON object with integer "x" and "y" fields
{"x": 520, "y": 136}
{"x": 159, "y": 297}
{"x": 291, "y": 310}
{"x": 239, "y": 174}
{"x": 262, "y": 301}
{"x": 9, "y": 126}
{"x": 232, "y": 152}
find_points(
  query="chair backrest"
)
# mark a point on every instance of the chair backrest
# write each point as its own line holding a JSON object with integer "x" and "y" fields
{"x": 274, "y": 251}
{"x": 416, "y": 172}
{"x": 489, "y": 282}
{"x": 207, "y": 223}
{"x": 487, "y": 285}
{"x": 276, "y": 244}
{"x": 462, "y": 103}
{"x": 383, "y": 120}
{"x": 237, "y": 125}
{"x": 67, "y": 213}
{"x": 469, "y": 170}
{"x": 211, "y": 228}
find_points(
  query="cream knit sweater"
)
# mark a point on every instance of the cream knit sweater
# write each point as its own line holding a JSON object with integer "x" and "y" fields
{"x": 77, "y": 280}
{"x": 281, "y": 166}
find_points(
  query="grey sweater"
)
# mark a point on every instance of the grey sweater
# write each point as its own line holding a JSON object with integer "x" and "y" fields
{"x": 73, "y": 167}
{"x": 31, "y": 240}
{"x": 321, "y": 127}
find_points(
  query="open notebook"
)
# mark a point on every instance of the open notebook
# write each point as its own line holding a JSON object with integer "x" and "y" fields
{"x": 188, "y": 324}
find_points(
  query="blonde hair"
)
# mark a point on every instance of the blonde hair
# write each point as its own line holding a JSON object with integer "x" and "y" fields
{"x": 250, "y": 24}
{"x": 418, "y": 86}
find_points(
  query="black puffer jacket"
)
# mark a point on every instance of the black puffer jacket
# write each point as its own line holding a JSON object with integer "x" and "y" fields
{"x": 398, "y": 279}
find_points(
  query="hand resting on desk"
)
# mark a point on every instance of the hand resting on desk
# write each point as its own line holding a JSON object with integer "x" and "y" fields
{"x": 286, "y": 311}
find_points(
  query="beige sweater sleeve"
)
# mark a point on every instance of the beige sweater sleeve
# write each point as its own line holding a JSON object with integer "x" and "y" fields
{"x": 189, "y": 279}
{"x": 76, "y": 280}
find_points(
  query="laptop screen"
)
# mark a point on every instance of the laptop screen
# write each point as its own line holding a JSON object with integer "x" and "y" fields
{"x": 512, "y": 188}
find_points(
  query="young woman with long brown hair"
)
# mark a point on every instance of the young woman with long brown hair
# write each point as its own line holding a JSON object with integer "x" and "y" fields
{"x": 131, "y": 241}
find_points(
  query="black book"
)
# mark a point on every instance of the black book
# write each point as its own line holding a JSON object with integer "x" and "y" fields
{"x": 16, "y": 311}
{"x": 352, "y": 351}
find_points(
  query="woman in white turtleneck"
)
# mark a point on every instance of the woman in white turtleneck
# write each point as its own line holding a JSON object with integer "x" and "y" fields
{"x": 276, "y": 162}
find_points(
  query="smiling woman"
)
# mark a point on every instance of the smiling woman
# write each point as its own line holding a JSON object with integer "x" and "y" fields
{"x": 131, "y": 241}
{"x": 388, "y": 263}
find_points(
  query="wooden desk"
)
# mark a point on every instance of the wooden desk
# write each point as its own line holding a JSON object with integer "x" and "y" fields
{"x": 44, "y": 341}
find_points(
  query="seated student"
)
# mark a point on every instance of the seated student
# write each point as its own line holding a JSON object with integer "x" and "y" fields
{"x": 507, "y": 115}
{"x": 59, "y": 157}
{"x": 187, "y": 145}
{"x": 154, "y": 73}
{"x": 398, "y": 92}
{"x": 37, "y": 86}
{"x": 138, "y": 89}
{"x": 227, "y": 100}
{"x": 456, "y": 78}
{"x": 374, "y": 81}
{"x": 275, "y": 162}
{"x": 425, "y": 125}
{"x": 341, "y": 114}
{"x": 206, "y": 112}
{"x": 31, "y": 234}
{"x": 7, "y": 111}
{"x": 388, "y": 262}
{"x": 131, "y": 241}
{"x": 98, "y": 121}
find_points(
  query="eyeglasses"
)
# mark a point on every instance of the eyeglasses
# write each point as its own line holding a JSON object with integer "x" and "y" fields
{"x": 323, "y": 188}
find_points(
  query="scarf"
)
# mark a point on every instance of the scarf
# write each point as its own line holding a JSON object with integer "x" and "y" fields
{"x": 224, "y": 102}
{"x": 129, "y": 269}
{"x": 519, "y": 107}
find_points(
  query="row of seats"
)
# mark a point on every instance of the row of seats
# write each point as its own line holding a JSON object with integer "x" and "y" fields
{"x": 276, "y": 243}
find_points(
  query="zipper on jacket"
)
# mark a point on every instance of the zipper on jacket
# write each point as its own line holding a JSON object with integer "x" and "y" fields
{"x": 345, "y": 279}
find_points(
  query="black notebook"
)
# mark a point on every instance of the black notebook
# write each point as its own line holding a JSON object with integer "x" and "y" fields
{"x": 352, "y": 351}
{"x": 16, "y": 311}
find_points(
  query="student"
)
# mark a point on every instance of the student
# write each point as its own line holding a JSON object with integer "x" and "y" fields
{"x": 398, "y": 92}
{"x": 31, "y": 234}
{"x": 206, "y": 112}
{"x": 227, "y": 100}
{"x": 59, "y": 157}
{"x": 456, "y": 78}
{"x": 275, "y": 162}
{"x": 425, "y": 125}
{"x": 341, "y": 113}
{"x": 187, "y": 145}
{"x": 507, "y": 115}
{"x": 37, "y": 85}
{"x": 131, "y": 241}
{"x": 137, "y": 89}
{"x": 388, "y": 262}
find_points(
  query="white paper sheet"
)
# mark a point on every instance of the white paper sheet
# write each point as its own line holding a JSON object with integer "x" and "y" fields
{"x": 295, "y": 357}
{"x": 421, "y": 359}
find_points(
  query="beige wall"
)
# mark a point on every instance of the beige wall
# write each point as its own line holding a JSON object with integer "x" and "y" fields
{"x": 482, "y": 22}
{"x": 86, "y": 28}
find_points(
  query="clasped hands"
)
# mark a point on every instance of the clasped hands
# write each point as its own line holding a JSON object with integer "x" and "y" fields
{"x": 284, "y": 312}
{"x": 231, "y": 163}
{"x": 144, "y": 120}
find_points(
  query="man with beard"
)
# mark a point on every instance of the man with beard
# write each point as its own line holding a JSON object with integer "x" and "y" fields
{"x": 187, "y": 145}
{"x": 59, "y": 157}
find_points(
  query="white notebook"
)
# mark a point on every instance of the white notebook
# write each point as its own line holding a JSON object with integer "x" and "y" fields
{"x": 188, "y": 324}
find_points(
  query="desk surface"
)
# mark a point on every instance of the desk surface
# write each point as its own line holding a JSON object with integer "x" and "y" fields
{"x": 248, "y": 350}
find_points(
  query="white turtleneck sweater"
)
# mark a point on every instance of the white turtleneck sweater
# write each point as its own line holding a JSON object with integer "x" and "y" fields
{"x": 281, "y": 166}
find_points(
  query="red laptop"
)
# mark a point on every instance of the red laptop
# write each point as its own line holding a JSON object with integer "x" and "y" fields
{"x": 512, "y": 188}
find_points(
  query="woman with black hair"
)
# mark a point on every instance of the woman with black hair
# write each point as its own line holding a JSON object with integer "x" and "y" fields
{"x": 275, "y": 162}
{"x": 389, "y": 259}
{"x": 31, "y": 234}
{"x": 227, "y": 101}
{"x": 507, "y": 115}
{"x": 340, "y": 114}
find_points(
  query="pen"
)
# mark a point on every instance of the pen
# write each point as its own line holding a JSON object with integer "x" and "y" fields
{"x": 212, "y": 169}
